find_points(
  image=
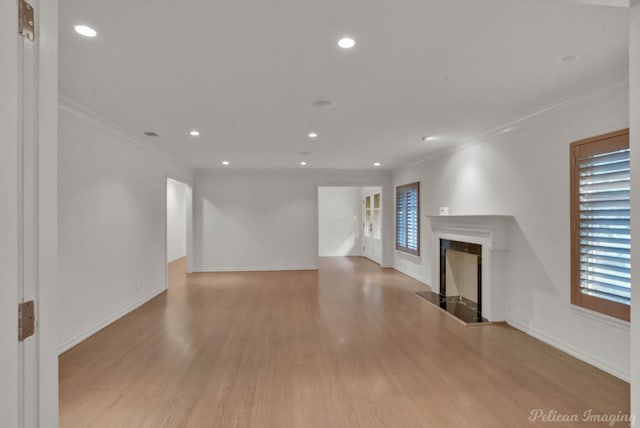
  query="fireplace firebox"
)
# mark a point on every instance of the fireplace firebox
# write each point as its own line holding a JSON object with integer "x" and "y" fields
{"x": 463, "y": 247}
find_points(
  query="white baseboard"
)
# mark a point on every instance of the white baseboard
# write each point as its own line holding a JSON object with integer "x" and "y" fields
{"x": 414, "y": 276}
{"x": 254, "y": 269}
{"x": 64, "y": 347}
{"x": 574, "y": 352}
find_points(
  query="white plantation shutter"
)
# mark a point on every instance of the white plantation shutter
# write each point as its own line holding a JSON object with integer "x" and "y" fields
{"x": 601, "y": 223}
{"x": 408, "y": 218}
{"x": 401, "y": 219}
{"x": 605, "y": 247}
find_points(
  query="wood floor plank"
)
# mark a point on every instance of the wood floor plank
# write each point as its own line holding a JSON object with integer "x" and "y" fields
{"x": 349, "y": 345}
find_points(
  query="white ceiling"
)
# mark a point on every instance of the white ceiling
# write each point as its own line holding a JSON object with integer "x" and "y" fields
{"x": 245, "y": 73}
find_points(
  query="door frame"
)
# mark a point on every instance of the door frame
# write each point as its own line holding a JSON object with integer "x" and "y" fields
{"x": 28, "y": 255}
{"x": 9, "y": 295}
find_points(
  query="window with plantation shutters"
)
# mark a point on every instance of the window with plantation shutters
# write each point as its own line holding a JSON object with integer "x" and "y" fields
{"x": 408, "y": 218}
{"x": 600, "y": 223}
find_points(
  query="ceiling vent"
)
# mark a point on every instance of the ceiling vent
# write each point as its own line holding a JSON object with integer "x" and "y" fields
{"x": 151, "y": 134}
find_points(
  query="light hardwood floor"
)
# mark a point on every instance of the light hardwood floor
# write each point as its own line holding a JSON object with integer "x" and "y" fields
{"x": 347, "y": 346}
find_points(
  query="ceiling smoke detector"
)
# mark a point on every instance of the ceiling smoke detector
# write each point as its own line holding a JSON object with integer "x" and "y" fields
{"x": 569, "y": 58}
{"x": 323, "y": 104}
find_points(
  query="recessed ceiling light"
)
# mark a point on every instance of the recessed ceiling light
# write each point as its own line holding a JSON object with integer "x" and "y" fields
{"x": 83, "y": 30}
{"x": 346, "y": 43}
{"x": 194, "y": 133}
{"x": 303, "y": 163}
{"x": 225, "y": 163}
{"x": 376, "y": 164}
{"x": 313, "y": 135}
{"x": 431, "y": 138}
{"x": 569, "y": 58}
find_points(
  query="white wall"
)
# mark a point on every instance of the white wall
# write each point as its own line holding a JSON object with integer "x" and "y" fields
{"x": 267, "y": 220}
{"x": 112, "y": 193}
{"x": 339, "y": 221}
{"x": 634, "y": 107}
{"x": 525, "y": 173}
{"x": 176, "y": 220}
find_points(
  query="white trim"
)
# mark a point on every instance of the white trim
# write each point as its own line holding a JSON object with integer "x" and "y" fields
{"x": 603, "y": 86}
{"x": 166, "y": 232}
{"x": 301, "y": 171}
{"x": 414, "y": 276}
{"x": 64, "y": 347}
{"x": 574, "y": 352}
{"x": 602, "y": 3}
{"x": 254, "y": 269}
{"x": 408, "y": 255}
{"x": 605, "y": 319}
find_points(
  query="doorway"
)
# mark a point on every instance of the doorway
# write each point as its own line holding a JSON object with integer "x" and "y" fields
{"x": 350, "y": 222}
{"x": 177, "y": 231}
{"x": 339, "y": 219}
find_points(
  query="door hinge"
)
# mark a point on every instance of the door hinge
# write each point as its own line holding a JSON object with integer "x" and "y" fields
{"x": 26, "y": 20}
{"x": 26, "y": 320}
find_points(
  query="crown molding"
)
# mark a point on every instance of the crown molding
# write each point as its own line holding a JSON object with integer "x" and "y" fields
{"x": 601, "y": 3}
{"x": 94, "y": 118}
{"x": 293, "y": 171}
{"x": 603, "y": 86}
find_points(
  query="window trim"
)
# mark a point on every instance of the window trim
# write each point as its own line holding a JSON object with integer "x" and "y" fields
{"x": 600, "y": 144}
{"x": 406, "y": 187}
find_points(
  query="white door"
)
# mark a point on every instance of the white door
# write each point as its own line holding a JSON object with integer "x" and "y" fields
{"x": 28, "y": 215}
{"x": 372, "y": 224}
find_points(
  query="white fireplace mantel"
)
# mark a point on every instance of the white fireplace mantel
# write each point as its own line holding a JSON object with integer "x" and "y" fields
{"x": 490, "y": 231}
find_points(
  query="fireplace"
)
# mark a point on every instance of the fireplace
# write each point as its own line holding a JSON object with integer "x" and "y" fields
{"x": 468, "y": 265}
